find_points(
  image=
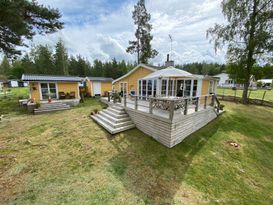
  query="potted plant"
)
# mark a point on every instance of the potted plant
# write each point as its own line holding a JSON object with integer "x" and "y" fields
{"x": 116, "y": 97}
{"x": 49, "y": 97}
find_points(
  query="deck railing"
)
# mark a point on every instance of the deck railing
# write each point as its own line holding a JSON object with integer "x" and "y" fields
{"x": 172, "y": 105}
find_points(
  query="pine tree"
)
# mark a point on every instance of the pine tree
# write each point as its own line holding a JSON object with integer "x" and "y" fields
{"x": 20, "y": 19}
{"x": 5, "y": 66}
{"x": 142, "y": 44}
{"x": 44, "y": 60}
{"x": 61, "y": 59}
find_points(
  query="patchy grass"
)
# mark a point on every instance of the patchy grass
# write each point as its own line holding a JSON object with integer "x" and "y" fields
{"x": 9, "y": 102}
{"x": 66, "y": 158}
{"x": 254, "y": 94}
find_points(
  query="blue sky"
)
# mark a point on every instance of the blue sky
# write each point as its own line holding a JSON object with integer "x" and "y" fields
{"x": 102, "y": 28}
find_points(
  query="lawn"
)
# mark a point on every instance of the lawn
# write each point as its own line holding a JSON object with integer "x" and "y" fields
{"x": 66, "y": 158}
{"x": 9, "y": 101}
{"x": 255, "y": 94}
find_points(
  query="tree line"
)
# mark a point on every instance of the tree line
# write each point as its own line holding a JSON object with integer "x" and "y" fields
{"x": 42, "y": 59}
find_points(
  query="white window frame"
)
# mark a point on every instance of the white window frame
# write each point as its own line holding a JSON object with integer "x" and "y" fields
{"x": 57, "y": 89}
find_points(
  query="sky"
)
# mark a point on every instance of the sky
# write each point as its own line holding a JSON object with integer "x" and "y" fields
{"x": 101, "y": 29}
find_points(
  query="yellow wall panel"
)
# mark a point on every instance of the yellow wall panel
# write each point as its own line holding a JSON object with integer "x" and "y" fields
{"x": 132, "y": 79}
{"x": 68, "y": 87}
{"x": 105, "y": 87}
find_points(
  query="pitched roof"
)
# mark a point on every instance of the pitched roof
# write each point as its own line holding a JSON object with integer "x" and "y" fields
{"x": 169, "y": 72}
{"x": 103, "y": 79}
{"x": 149, "y": 67}
{"x": 34, "y": 77}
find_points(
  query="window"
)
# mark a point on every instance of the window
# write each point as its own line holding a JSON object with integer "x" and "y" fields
{"x": 194, "y": 91}
{"x": 211, "y": 86}
{"x": 139, "y": 87}
{"x": 187, "y": 91}
{"x": 180, "y": 88}
{"x": 144, "y": 88}
{"x": 170, "y": 88}
{"x": 48, "y": 90}
{"x": 164, "y": 88}
{"x": 154, "y": 88}
{"x": 150, "y": 87}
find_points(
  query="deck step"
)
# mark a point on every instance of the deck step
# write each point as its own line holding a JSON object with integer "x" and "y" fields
{"x": 51, "y": 107}
{"x": 117, "y": 111}
{"x": 114, "y": 119}
{"x": 115, "y": 115}
{"x": 109, "y": 128}
{"x": 114, "y": 125}
{"x": 38, "y": 111}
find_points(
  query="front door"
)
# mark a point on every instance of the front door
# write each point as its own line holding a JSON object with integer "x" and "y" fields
{"x": 48, "y": 90}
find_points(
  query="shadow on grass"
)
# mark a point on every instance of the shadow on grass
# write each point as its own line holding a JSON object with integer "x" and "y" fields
{"x": 152, "y": 171}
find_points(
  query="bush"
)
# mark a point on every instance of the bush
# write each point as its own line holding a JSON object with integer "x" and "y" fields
{"x": 221, "y": 107}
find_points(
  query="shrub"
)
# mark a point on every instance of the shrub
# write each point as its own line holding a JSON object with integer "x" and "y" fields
{"x": 221, "y": 107}
{"x": 116, "y": 97}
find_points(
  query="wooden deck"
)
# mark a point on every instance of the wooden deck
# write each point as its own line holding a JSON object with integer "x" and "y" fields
{"x": 166, "y": 127}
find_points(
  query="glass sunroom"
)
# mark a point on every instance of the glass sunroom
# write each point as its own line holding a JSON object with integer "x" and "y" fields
{"x": 171, "y": 82}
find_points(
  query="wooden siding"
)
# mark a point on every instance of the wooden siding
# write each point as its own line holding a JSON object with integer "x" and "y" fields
{"x": 68, "y": 87}
{"x": 105, "y": 87}
{"x": 89, "y": 87}
{"x": 132, "y": 79}
{"x": 34, "y": 88}
{"x": 188, "y": 124}
{"x": 167, "y": 132}
{"x": 205, "y": 87}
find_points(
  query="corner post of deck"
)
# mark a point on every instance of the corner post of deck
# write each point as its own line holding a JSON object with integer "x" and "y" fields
{"x": 212, "y": 100}
{"x": 108, "y": 95}
{"x": 206, "y": 100}
{"x": 124, "y": 100}
{"x": 171, "y": 110}
{"x": 186, "y": 107}
{"x": 151, "y": 106}
{"x": 197, "y": 104}
{"x": 136, "y": 99}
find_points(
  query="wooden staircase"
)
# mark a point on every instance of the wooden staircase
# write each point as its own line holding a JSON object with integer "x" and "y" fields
{"x": 51, "y": 107}
{"x": 114, "y": 119}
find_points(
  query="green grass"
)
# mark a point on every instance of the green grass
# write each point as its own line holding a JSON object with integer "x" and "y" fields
{"x": 9, "y": 102}
{"x": 66, "y": 158}
{"x": 255, "y": 94}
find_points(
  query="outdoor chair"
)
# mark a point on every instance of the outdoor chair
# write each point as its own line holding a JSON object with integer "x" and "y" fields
{"x": 72, "y": 95}
{"x": 61, "y": 95}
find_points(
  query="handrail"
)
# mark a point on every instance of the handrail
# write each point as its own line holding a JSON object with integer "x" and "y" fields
{"x": 172, "y": 104}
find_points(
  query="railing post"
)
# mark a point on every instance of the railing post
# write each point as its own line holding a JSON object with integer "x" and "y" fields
{"x": 212, "y": 100}
{"x": 151, "y": 106}
{"x": 197, "y": 104}
{"x": 108, "y": 96}
{"x": 124, "y": 100}
{"x": 186, "y": 107}
{"x": 171, "y": 110}
{"x": 206, "y": 100}
{"x": 136, "y": 99}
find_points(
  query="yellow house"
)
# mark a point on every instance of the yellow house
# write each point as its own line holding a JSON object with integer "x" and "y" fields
{"x": 45, "y": 87}
{"x": 98, "y": 86}
{"x": 146, "y": 81}
{"x": 128, "y": 83}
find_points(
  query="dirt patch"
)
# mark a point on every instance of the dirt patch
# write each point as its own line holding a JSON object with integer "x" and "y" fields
{"x": 233, "y": 144}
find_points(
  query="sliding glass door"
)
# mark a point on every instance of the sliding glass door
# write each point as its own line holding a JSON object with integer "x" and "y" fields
{"x": 48, "y": 90}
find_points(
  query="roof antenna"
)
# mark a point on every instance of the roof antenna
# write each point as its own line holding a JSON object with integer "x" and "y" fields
{"x": 171, "y": 38}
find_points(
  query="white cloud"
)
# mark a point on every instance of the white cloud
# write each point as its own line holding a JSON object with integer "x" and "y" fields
{"x": 99, "y": 30}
